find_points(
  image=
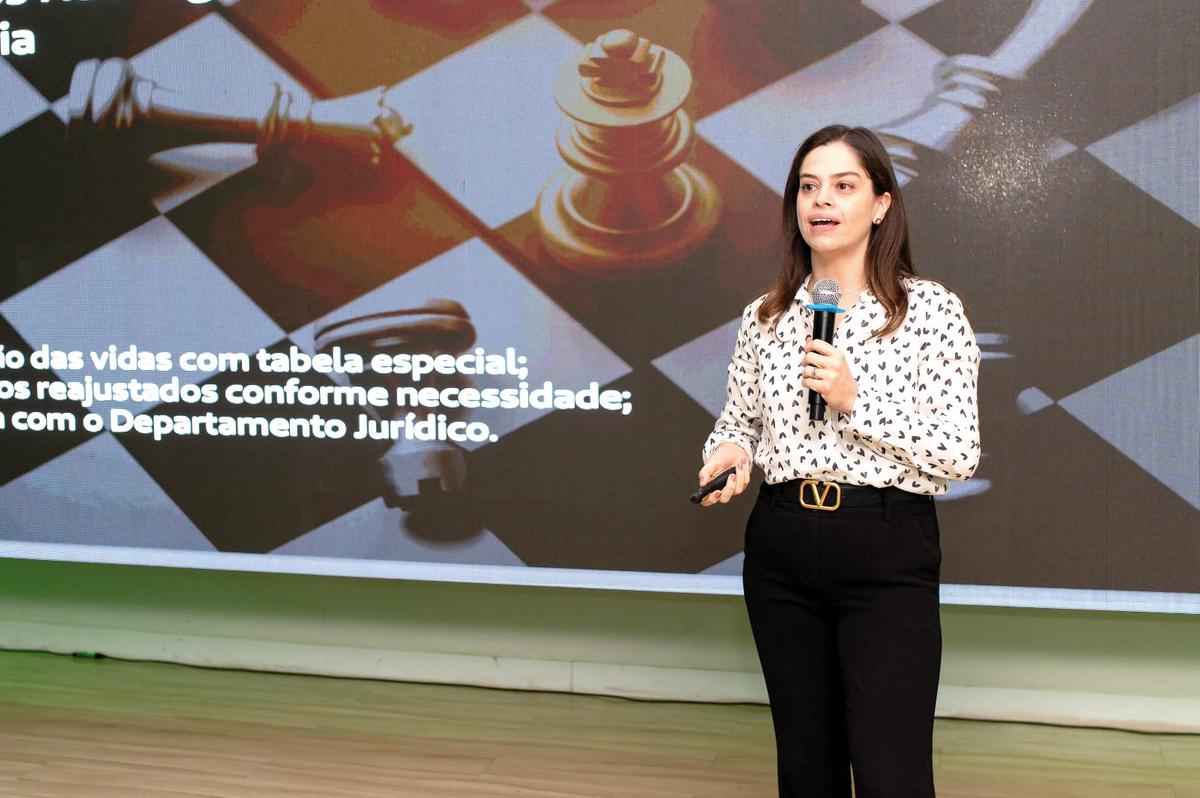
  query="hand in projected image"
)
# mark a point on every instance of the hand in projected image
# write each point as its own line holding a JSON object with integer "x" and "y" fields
{"x": 725, "y": 456}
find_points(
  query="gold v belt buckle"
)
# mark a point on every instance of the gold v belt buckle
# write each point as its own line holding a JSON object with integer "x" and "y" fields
{"x": 820, "y": 495}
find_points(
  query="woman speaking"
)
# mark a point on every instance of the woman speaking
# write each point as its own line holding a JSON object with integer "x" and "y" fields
{"x": 842, "y": 563}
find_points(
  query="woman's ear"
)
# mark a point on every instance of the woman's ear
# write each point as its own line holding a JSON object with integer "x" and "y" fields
{"x": 882, "y": 203}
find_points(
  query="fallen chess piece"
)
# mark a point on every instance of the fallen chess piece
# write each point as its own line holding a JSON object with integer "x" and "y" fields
{"x": 411, "y": 469}
{"x": 114, "y": 110}
{"x": 627, "y": 198}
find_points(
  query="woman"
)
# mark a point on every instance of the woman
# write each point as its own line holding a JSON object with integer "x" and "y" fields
{"x": 842, "y": 555}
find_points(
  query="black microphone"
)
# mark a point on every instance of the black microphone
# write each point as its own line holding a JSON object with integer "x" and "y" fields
{"x": 825, "y": 296}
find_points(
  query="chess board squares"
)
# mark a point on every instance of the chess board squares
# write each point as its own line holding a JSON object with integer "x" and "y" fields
{"x": 1056, "y": 270}
{"x": 603, "y": 491}
{"x": 484, "y": 118}
{"x": 645, "y": 314}
{"x": 965, "y": 27}
{"x": 253, "y": 494}
{"x": 304, "y": 235}
{"x": 1161, "y": 156}
{"x": 1119, "y": 64}
{"x": 732, "y": 49}
{"x": 700, "y": 367}
{"x": 897, "y": 10}
{"x": 24, "y": 451}
{"x": 1167, "y": 383}
{"x": 54, "y": 210}
{"x": 877, "y": 79}
{"x": 351, "y": 45}
{"x": 1049, "y": 505}
{"x": 76, "y": 31}
{"x": 1086, "y": 516}
{"x": 19, "y": 102}
{"x": 731, "y": 566}
{"x": 150, "y": 288}
{"x": 506, "y": 310}
{"x": 1100, "y": 274}
{"x": 94, "y": 495}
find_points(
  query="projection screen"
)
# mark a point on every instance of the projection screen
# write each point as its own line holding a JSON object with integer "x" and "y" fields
{"x": 393, "y": 289}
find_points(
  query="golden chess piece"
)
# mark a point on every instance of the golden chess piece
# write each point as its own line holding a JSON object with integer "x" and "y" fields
{"x": 627, "y": 199}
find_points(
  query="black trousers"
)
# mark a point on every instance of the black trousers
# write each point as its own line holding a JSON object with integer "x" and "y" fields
{"x": 844, "y": 610}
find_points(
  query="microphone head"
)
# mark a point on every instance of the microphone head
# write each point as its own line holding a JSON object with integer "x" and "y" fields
{"x": 826, "y": 292}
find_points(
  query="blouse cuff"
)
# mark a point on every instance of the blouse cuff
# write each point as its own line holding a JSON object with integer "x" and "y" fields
{"x": 864, "y": 414}
{"x": 747, "y": 444}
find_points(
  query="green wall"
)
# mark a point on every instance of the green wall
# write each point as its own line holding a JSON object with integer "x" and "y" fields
{"x": 1123, "y": 669}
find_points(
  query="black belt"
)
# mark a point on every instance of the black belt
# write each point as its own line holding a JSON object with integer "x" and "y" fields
{"x": 815, "y": 494}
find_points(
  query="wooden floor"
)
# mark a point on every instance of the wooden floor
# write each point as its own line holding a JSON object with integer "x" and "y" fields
{"x": 76, "y": 727}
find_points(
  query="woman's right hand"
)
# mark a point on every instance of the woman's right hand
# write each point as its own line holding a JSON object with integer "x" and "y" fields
{"x": 723, "y": 457}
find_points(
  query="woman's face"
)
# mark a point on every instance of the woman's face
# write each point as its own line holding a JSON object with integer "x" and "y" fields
{"x": 836, "y": 205}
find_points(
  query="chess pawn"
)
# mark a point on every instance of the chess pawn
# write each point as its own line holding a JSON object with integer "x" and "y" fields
{"x": 626, "y": 199}
{"x": 113, "y": 109}
{"x": 411, "y": 468}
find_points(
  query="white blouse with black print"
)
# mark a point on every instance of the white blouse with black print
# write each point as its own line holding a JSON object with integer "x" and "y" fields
{"x": 915, "y": 420}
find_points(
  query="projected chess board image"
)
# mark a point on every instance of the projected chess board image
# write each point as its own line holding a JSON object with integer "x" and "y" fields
{"x": 597, "y": 185}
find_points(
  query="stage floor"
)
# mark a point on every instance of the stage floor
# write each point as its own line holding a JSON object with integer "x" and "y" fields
{"x": 100, "y": 728}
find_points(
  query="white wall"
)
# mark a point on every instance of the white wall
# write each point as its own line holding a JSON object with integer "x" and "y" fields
{"x": 1120, "y": 669}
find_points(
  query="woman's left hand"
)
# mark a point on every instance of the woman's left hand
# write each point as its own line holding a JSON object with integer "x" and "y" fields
{"x": 829, "y": 376}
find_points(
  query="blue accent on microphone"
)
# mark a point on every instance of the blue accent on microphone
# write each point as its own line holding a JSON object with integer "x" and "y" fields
{"x": 827, "y": 308}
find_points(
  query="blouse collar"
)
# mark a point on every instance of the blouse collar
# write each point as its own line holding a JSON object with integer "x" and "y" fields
{"x": 791, "y": 326}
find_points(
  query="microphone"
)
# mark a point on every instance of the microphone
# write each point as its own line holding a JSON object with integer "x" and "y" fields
{"x": 825, "y": 295}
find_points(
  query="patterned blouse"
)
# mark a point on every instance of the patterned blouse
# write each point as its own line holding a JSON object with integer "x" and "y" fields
{"x": 915, "y": 420}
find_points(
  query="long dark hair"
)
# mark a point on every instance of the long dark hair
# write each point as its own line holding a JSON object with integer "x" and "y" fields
{"x": 888, "y": 256}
